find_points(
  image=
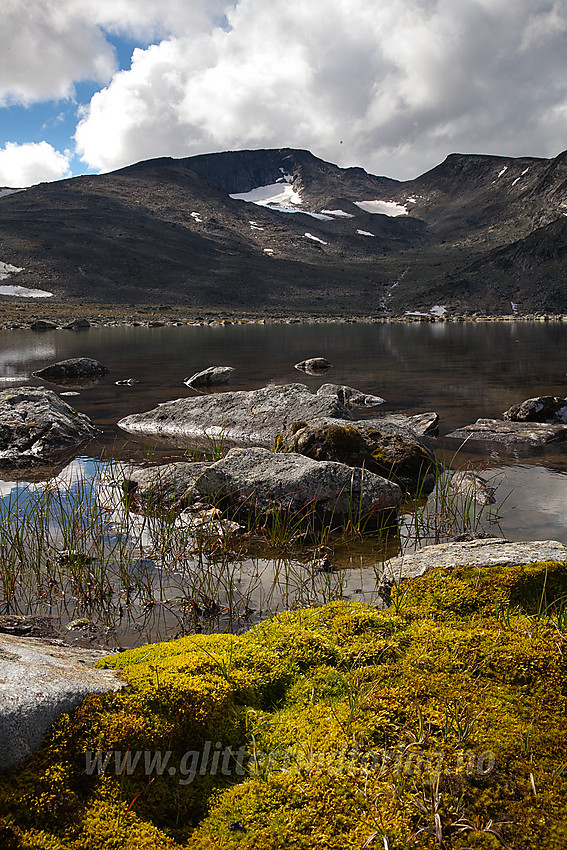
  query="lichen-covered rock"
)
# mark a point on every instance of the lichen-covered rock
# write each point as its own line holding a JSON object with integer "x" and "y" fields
{"x": 376, "y": 446}
{"x": 40, "y": 681}
{"x": 244, "y": 417}
{"x": 214, "y": 376}
{"x": 511, "y": 433}
{"x": 484, "y": 552}
{"x": 36, "y": 426}
{"x": 254, "y": 481}
{"x": 74, "y": 370}
{"x": 550, "y": 409}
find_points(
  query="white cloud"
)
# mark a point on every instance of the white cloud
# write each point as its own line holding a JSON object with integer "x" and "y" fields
{"x": 48, "y": 46}
{"x": 33, "y": 162}
{"x": 400, "y": 84}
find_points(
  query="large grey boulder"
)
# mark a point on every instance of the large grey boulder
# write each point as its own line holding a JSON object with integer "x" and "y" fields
{"x": 36, "y": 426}
{"x": 75, "y": 370}
{"x": 546, "y": 408}
{"x": 376, "y": 446}
{"x": 511, "y": 433}
{"x": 214, "y": 376}
{"x": 41, "y": 681}
{"x": 485, "y": 552}
{"x": 252, "y": 481}
{"x": 247, "y": 417}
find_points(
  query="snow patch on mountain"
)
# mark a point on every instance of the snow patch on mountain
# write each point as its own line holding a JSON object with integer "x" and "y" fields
{"x": 390, "y": 208}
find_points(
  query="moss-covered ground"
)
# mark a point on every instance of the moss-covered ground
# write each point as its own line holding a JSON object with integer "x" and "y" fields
{"x": 439, "y": 722}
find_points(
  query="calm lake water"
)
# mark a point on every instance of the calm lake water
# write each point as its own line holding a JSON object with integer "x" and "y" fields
{"x": 461, "y": 370}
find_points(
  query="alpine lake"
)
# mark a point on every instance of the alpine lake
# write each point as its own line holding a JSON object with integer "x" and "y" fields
{"x": 127, "y": 580}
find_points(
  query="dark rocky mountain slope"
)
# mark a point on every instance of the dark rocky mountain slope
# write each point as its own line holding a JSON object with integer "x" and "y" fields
{"x": 476, "y": 233}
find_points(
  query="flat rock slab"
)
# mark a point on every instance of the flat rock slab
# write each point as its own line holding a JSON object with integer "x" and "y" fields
{"x": 485, "y": 552}
{"x": 511, "y": 433}
{"x": 40, "y": 682}
{"x": 247, "y": 417}
{"x": 36, "y": 426}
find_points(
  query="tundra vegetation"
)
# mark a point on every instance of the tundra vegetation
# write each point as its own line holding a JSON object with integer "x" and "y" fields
{"x": 438, "y": 722}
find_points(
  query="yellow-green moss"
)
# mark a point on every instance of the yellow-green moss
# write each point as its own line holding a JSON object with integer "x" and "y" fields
{"x": 359, "y": 723}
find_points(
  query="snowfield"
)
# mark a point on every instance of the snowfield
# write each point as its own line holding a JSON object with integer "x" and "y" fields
{"x": 390, "y": 208}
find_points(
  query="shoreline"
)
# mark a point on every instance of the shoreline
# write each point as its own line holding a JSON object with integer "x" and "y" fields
{"x": 20, "y": 316}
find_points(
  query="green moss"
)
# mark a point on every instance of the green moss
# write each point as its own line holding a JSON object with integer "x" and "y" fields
{"x": 358, "y": 723}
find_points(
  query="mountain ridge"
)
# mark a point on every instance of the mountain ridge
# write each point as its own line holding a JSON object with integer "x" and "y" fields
{"x": 477, "y": 233}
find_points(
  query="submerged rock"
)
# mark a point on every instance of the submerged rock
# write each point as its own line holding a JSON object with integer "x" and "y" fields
{"x": 511, "y": 433}
{"x": 40, "y": 682}
{"x": 74, "y": 370}
{"x": 486, "y": 552}
{"x": 549, "y": 409}
{"x": 253, "y": 481}
{"x": 212, "y": 377}
{"x": 36, "y": 426}
{"x": 402, "y": 458}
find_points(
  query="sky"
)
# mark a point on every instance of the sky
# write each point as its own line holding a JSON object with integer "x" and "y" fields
{"x": 394, "y": 86}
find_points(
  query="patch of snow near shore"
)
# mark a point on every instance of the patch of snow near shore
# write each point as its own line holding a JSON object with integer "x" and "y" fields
{"x": 365, "y": 233}
{"x": 24, "y": 292}
{"x": 315, "y": 238}
{"x": 438, "y": 310}
{"x": 338, "y": 213}
{"x": 390, "y": 208}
